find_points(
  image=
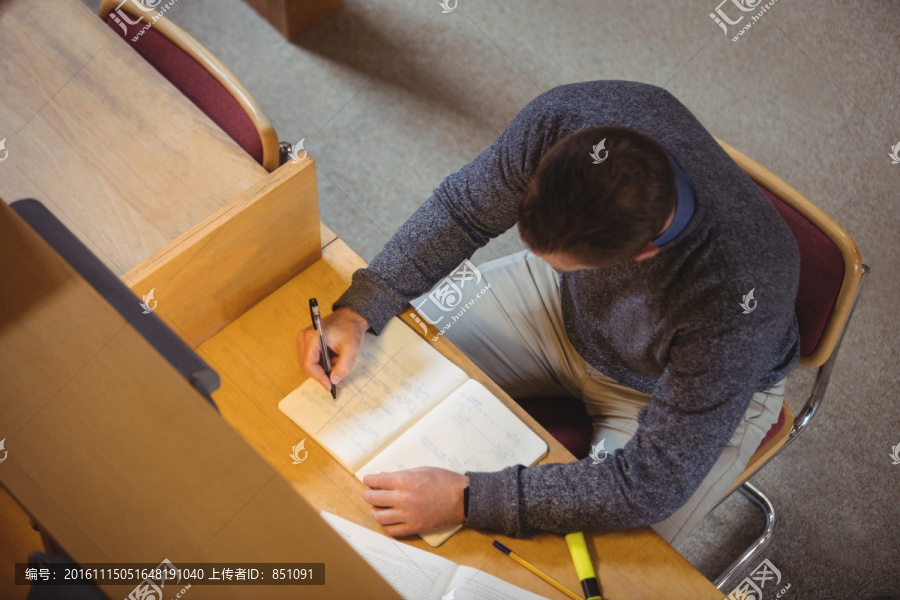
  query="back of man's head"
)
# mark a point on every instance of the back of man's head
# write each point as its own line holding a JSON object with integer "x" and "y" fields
{"x": 598, "y": 203}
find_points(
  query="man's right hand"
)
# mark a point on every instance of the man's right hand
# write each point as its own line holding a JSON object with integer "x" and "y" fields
{"x": 344, "y": 332}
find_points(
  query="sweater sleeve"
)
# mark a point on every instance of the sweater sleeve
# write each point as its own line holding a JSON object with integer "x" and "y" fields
{"x": 468, "y": 209}
{"x": 693, "y": 412}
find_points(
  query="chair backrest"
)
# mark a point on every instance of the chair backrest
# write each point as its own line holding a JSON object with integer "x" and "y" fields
{"x": 197, "y": 74}
{"x": 830, "y": 263}
{"x": 821, "y": 274}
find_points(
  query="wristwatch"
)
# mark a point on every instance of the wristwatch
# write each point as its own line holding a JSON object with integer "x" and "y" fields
{"x": 466, "y": 502}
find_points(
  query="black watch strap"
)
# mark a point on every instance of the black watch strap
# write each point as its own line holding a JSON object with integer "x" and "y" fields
{"x": 466, "y": 502}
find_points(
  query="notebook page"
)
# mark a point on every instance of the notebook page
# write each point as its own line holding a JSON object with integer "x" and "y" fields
{"x": 471, "y": 430}
{"x": 414, "y": 573}
{"x": 397, "y": 378}
{"x": 472, "y": 584}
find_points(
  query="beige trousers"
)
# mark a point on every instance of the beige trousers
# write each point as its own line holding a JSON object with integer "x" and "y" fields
{"x": 514, "y": 332}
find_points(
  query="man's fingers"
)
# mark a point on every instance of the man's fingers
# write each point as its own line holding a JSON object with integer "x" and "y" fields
{"x": 386, "y": 516}
{"x": 344, "y": 332}
{"x": 381, "y": 498}
{"x": 311, "y": 357}
{"x": 416, "y": 500}
{"x": 346, "y": 357}
{"x": 382, "y": 481}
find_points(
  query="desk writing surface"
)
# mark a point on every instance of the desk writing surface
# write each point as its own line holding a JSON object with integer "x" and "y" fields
{"x": 257, "y": 360}
{"x": 102, "y": 139}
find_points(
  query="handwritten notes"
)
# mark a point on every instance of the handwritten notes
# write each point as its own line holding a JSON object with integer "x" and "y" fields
{"x": 471, "y": 430}
{"x": 404, "y": 406}
{"x": 397, "y": 378}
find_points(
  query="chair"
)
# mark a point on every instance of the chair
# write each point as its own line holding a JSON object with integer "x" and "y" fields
{"x": 831, "y": 275}
{"x": 198, "y": 75}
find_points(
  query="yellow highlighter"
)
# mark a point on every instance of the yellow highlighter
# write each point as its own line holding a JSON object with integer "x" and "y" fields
{"x": 584, "y": 568}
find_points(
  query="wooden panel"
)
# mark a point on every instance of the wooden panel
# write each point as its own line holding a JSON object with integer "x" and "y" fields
{"x": 328, "y": 235}
{"x": 100, "y": 137}
{"x": 293, "y": 17}
{"x": 257, "y": 358}
{"x": 123, "y": 461}
{"x": 237, "y": 256}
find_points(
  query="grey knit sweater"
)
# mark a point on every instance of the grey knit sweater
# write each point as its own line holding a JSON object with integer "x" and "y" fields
{"x": 671, "y": 326}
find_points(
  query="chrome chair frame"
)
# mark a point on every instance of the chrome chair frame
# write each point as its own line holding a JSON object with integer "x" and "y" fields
{"x": 728, "y": 579}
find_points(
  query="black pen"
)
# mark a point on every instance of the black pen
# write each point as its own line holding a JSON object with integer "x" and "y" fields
{"x": 317, "y": 324}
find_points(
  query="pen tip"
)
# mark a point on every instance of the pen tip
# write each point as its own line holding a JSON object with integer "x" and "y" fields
{"x": 333, "y": 392}
{"x": 501, "y": 547}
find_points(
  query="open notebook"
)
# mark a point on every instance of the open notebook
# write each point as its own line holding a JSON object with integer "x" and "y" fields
{"x": 405, "y": 405}
{"x": 420, "y": 575}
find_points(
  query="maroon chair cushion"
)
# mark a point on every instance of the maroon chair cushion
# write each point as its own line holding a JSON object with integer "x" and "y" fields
{"x": 821, "y": 274}
{"x": 565, "y": 419}
{"x": 195, "y": 82}
{"x": 774, "y": 429}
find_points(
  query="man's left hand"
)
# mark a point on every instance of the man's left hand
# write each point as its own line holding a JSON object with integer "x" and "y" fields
{"x": 416, "y": 500}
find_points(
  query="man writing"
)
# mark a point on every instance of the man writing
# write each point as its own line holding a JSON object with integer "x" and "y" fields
{"x": 634, "y": 296}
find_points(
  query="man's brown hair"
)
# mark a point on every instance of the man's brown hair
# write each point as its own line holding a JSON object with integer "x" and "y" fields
{"x": 602, "y": 213}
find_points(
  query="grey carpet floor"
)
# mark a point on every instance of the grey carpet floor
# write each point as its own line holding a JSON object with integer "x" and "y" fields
{"x": 391, "y": 96}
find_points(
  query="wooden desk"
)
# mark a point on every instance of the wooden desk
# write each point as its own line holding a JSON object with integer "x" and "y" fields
{"x": 248, "y": 337}
{"x": 256, "y": 357}
{"x": 100, "y": 137}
